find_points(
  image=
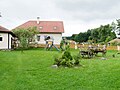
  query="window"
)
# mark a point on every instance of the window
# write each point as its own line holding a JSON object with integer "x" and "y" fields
{"x": 1, "y": 38}
{"x": 38, "y": 38}
{"x": 54, "y": 27}
{"x": 41, "y": 27}
{"x": 46, "y": 37}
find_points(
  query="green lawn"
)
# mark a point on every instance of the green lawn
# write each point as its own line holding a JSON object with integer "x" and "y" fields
{"x": 32, "y": 70}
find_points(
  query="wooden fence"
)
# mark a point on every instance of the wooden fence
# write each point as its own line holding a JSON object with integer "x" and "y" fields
{"x": 108, "y": 47}
{"x": 78, "y": 45}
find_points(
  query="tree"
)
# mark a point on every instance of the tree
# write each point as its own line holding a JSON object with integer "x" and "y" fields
{"x": 81, "y": 37}
{"x": 118, "y": 26}
{"x": 104, "y": 33}
{"x": 25, "y": 36}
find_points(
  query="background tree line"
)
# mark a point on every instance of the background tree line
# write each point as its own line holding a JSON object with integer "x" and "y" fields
{"x": 102, "y": 34}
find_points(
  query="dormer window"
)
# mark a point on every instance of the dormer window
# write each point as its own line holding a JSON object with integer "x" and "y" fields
{"x": 55, "y": 28}
{"x": 41, "y": 27}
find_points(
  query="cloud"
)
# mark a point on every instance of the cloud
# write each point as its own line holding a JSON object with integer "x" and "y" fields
{"x": 87, "y": 10}
{"x": 77, "y": 15}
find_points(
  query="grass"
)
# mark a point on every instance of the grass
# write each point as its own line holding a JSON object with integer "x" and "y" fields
{"x": 32, "y": 70}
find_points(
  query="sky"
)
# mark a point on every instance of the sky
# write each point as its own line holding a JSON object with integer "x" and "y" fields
{"x": 77, "y": 15}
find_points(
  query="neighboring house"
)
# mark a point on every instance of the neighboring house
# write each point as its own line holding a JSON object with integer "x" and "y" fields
{"x": 53, "y": 29}
{"x": 117, "y": 40}
{"x": 6, "y": 37}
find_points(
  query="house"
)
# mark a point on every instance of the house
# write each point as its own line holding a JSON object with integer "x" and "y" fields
{"x": 6, "y": 38}
{"x": 53, "y": 29}
{"x": 117, "y": 40}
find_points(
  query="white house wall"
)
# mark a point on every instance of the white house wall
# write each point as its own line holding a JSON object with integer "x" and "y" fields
{"x": 4, "y": 42}
{"x": 57, "y": 38}
{"x": 10, "y": 36}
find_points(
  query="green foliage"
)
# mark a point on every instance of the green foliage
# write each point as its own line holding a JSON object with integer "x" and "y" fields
{"x": 67, "y": 46}
{"x": 25, "y": 36}
{"x": 77, "y": 59}
{"x": 101, "y": 34}
{"x": 64, "y": 45}
{"x": 58, "y": 61}
{"x": 108, "y": 39}
{"x": 114, "y": 43}
{"x": 118, "y": 23}
{"x": 118, "y": 44}
{"x": 66, "y": 59}
{"x": 81, "y": 37}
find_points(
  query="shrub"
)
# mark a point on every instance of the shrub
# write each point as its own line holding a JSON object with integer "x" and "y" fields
{"x": 67, "y": 60}
{"x": 77, "y": 59}
{"x": 67, "y": 55}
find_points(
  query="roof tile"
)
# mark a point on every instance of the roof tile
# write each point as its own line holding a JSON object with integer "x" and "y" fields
{"x": 2, "y": 29}
{"x": 47, "y": 26}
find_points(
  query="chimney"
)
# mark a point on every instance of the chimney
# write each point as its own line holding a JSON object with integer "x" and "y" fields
{"x": 38, "y": 20}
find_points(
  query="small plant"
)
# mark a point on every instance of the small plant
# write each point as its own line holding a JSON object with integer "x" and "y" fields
{"x": 77, "y": 59}
{"x": 67, "y": 55}
{"x": 67, "y": 60}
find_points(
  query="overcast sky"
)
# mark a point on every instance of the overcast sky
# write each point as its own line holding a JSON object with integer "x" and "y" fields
{"x": 77, "y": 15}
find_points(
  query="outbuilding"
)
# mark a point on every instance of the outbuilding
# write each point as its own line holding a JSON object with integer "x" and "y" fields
{"x": 6, "y": 38}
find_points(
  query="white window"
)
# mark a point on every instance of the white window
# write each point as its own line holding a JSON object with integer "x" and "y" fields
{"x": 1, "y": 39}
{"x": 38, "y": 38}
{"x": 54, "y": 27}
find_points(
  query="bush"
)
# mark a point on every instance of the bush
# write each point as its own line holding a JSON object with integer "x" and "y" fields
{"x": 77, "y": 58}
{"x": 67, "y": 60}
{"x": 67, "y": 55}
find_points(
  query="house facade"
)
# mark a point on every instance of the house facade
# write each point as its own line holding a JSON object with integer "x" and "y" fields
{"x": 5, "y": 38}
{"x": 54, "y": 29}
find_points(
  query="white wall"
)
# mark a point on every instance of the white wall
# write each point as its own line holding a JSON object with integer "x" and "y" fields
{"x": 57, "y": 38}
{"x": 4, "y": 42}
{"x": 10, "y": 36}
